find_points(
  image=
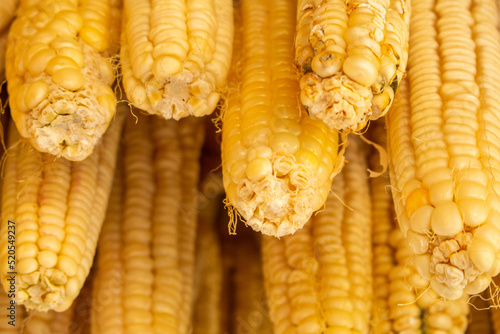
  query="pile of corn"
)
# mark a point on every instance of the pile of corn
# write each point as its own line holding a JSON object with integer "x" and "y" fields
{"x": 358, "y": 139}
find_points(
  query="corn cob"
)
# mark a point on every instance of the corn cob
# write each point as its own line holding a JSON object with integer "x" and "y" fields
{"x": 440, "y": 316}
{"x": 319, "y": 279}
{"x": 3, "y": 48}
{"x": 59, "y": 71}
{"x": 444, "y": 156}
{"x": 352, "y": 56}
{"x": 480, "y": 317}
{"x": 277, "y": 162}
{"x": 208, "y": 268}
{"x": 175, "y": 54}
{"x": 142, "y": 268}
{"x": 57, "y": 207}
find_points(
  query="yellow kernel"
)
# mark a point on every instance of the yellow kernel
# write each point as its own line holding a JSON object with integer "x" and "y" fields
{"x": 27, "y": 236}
{"x": 40, "y": 60}
{"x": 491, "y": 233}
{"x": 259, "y": 152}
{"x": 361, "y": 69}
{"x": 328, "y": 62}
{"x": 47, "y": 258}
{"x": 67, "y": 265}
{"x": 95, "y": 38}
{"x": 27, "y": 250}
{"x": 62, "y": 27}
{"x": 284, "y": 143}
{"x": 420, "y": 221}
{"x": 285, "y": 125}
{"x": 258, "y": 169}
{"x": 474, "y": 211}
{"x": 165, "y": 67}
{"x": 27, "y": 266}
{"x": 419, "y": 243}
{"x": 71, "y": 250}
{"x": 74, "y": 54}
{"x": 417, "y": 198}
{"x": 422, "y": 263}
{"x": 49, "y": 242}
{"x": 59, "y": 62}
{"x": 482, "y": 254}
{"x": 68, "y": 78}
{"x": 471, "y": 189}
{"x": 478, "y": 285}
{"x": 308, "y": 159}
{"x": 108, "y": 102}
{"x": 73, "y": 18}
{"x": 37, "y": 92}
{"x": 446, "y": 220}
{"x": 435, "y": 176}
{"x": 310, "y": 143}
{"x": 441, "y": 192}
{"x": 445, "y": 291}
{"x": 238, "y": 170}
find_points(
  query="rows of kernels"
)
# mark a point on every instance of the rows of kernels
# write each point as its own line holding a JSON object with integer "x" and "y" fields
{"x": 356, "y": 235}
{"x": 334, "y": 282}
{"x": 49, "y": 322}
{"x": 446, "y": 316}
{"x": 175, "y": 68}
{"x": 191, "y": 135}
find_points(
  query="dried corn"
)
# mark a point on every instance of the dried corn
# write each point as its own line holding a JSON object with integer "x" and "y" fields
{"x": 352, "y": 56}
{"x": 59, "y": 71}
{"x": 175, "y": 54}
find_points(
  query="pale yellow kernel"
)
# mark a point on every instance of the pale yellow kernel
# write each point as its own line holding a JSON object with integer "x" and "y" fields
{"x": 473, "y": 175}
{"x": 74, "y": 18}
{"x": 284, "y": 143}
{"x": 440, "y": 321}
{"x": 404, "y": 223}
{"x": 198, "y": 106}
{"x": 49, "y": 242}
{"x": 27, "y": 236}
{"x": 45, "y": 36}
{"x": 285, "y": 125}
{"x": 108, "y": 102}
{"x": 94, "y": 38}
{"x": 53, "y": 230}
{"x": 72, "y": 53}
{"x": 164, "y": 67}
{"x": 68, "y": 78}
{"x": 361, "y": 69}
{"x": 71, "y": 250}
{"x": 478, "y": 285}
{"x": 474, "y": 211}
{"x": 420, "y": 221}
{"x": 27, "y": 266}
{"x": 62, "y": 27}
{"x": 212, "y": 101}
{"x": 491, "y": 233}
{"x": 470, "y": 189}
{"x": 446, "y": 219}
{"x": 40, "y": 60}
{"x": 422, "y": 264}
{"x": 323, "y": 173}
{"x": 37, "y": 92}
{"x": 47, "y": 258}
{"x": 259, "y": 152}
{"x": 482, "y": 254}
{"x": 441, "y": 192}
{"x": 328, "y": 62}
{"x": 416, "y": 199}
{"x": 445, "y": 291}
{"x": 28, "y": 250}
{"x": 419, "y": 243}
{"x": 258, "y": 169}
{"x": 308, "y": 142}
{"x": 308, "y": 159}
{"x": 67, "y": 265}
{"x": 59, "y": 62}
{"x": 238, "y": 170}
{"x": 436, "y": 175}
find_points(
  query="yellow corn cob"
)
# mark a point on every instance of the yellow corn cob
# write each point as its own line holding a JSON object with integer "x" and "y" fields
{"x": 57, "y": 208}
{"x": 352, "y": 56}
{"x": 3, "y": 48}
{"x": 277, "y": 162}
{"x": 441, "y": 316}
{"x": 6, "y": 326}
{"x": 143, "y": 267}
{"x": 7, "y": 11}
{"x": 59, "y": 71}
{"x": 175, "y": 54}
{"x": 208, "y": 267}
{"x": 319, "y": 279}
{"x": 444, "y": 156}
{"x": 480, "y": 317}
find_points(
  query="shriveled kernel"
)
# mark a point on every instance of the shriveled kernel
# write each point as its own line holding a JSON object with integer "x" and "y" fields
{"x": 482, "y": 254}
{"x": 67, "y": 265}
{"x": 165, "y": 67}
{"x": 446, "y": 219}
{"x": 68, "y": 78}
{"x": 47, "y": 258}
{"x": 284, "y": 142}
{"x": 474, "y": 211}
{"x": 258, "y": 168}
{"x": 441, "y": 192}
{"x": 36, "y": 93}
{"x": 416, "y": 199}
{"x": 420, "y": 221}
{"x": 27, "y": 266}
